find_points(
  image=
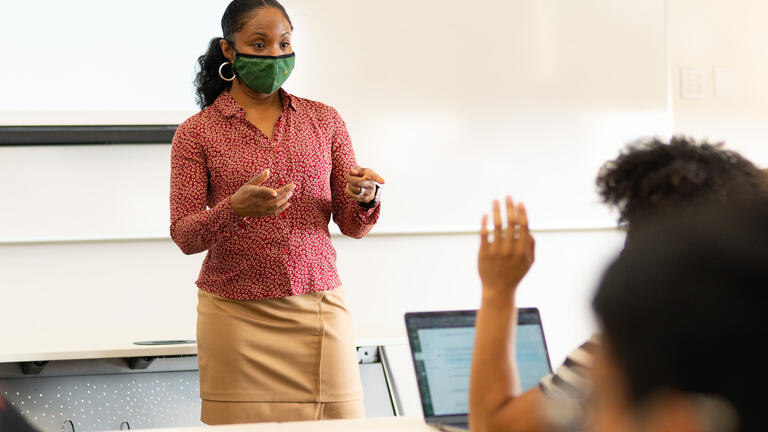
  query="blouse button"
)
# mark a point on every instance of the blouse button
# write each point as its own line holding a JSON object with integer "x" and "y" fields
{"x": 277, "y": 149}
{"x": 241, "y": 225}
{"x": 283, "y": 215}
{"x": 286, "y": 251}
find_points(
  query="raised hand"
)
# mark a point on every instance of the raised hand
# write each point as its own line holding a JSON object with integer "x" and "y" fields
{"x": 505, "y": 259}
{"x": 255, "y": 200}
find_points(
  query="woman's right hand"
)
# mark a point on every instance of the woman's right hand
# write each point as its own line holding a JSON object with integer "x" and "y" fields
{"x": 255, "y": 200}
{"x": 505, "y": 259}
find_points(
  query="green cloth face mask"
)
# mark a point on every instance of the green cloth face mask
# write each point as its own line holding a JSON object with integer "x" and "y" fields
{"x": 263, "y": 74}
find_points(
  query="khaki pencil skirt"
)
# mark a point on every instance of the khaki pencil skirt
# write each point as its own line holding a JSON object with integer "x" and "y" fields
{"x": 281, "y": 359}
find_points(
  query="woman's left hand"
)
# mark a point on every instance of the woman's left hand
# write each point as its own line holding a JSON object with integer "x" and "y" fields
{"x": 361, "y": 184}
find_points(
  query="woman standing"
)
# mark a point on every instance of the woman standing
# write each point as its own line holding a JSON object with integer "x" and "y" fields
{"x": 255, "y": 178}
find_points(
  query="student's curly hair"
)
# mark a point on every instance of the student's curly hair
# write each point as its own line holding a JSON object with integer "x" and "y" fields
{"x": 653, "y": 176}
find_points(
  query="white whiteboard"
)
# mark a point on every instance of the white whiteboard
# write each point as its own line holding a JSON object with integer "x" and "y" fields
{"x": 454, "y": 103}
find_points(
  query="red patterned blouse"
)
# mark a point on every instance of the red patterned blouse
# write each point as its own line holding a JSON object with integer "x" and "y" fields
{"x": 218, "y": 150}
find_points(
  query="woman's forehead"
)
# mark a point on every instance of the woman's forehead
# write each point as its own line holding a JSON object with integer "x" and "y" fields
{"x": 267, "y": 21}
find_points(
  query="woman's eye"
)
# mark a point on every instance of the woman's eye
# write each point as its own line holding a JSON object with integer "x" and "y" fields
{"x": 259, "y": 44}
{"x": 286, "y": 44}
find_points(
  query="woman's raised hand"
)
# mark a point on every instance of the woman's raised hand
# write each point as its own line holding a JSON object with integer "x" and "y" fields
{"x": 255, "y": 200}
{"x": 505, "y": 259}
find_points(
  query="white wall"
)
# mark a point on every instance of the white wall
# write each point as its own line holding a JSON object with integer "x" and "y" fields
{"x": 146, "y": 288}
{"x": 524, "y": 97}
{"x": 728, "y": 42}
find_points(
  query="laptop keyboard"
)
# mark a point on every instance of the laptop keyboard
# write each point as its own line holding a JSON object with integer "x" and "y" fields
{"x": 453, "y": 427}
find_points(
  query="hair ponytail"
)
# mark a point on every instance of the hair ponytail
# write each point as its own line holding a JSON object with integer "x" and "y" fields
{"x": 208, "y": 83}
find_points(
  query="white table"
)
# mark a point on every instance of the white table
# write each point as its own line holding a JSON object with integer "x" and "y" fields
{"x": 18, "y": 346}
{"x": 398, "y": 424}
{"x": 75, "y": 361}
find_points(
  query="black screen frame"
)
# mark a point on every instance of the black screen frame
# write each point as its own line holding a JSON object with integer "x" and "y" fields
{"x": 86, "y": 135}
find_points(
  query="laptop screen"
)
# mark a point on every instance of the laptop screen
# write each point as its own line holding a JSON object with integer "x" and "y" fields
{"x": 441, "y": 345}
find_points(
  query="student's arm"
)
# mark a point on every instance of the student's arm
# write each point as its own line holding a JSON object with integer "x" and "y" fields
{"x": 495, "y": 402}
{"x": 521, "y": 413}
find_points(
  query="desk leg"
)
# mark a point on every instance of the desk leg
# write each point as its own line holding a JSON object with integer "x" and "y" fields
{"x": 391, "y": 385}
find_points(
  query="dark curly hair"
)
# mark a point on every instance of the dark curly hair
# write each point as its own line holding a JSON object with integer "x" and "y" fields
{"x": 208, "y": 84}
{"x": 682, "y": 309}
{"x": 653, "y": 176}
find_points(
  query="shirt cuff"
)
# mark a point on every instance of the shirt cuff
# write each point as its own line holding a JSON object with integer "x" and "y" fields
{"x": 368, "y": 216}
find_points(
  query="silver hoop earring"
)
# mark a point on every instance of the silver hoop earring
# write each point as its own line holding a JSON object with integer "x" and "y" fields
{"x": 222, "y": 75}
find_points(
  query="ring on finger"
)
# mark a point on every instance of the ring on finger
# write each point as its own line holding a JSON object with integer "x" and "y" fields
{"x": 516, "y": 230}
{"x": 362, "y": 191}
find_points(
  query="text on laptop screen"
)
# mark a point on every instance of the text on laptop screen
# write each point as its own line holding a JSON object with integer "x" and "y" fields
{"x": 443, "y": 358}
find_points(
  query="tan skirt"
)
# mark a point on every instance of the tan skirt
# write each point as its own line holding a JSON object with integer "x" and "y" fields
{"x": 297, "y": 349}
{"x": 220, "y": 413}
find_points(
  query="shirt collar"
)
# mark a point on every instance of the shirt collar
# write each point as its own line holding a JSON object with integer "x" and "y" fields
{"x": 288, "y": 99}
{"x": 228, "y": 107}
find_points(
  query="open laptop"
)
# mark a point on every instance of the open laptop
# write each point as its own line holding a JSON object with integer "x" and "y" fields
{"x": 441, "y": 349}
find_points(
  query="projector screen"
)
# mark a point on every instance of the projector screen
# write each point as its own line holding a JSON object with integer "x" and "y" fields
{"x": 454, "y": 103}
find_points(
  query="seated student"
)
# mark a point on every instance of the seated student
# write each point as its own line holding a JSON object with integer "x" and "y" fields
{"x": 646, "y": 178}
{"x": 682, "y": 317}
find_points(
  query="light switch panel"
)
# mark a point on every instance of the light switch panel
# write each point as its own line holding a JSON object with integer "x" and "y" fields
{"x": 694, "y": 83}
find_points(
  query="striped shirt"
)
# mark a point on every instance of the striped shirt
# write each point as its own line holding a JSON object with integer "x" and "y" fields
{"x": 570, "y": 387}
